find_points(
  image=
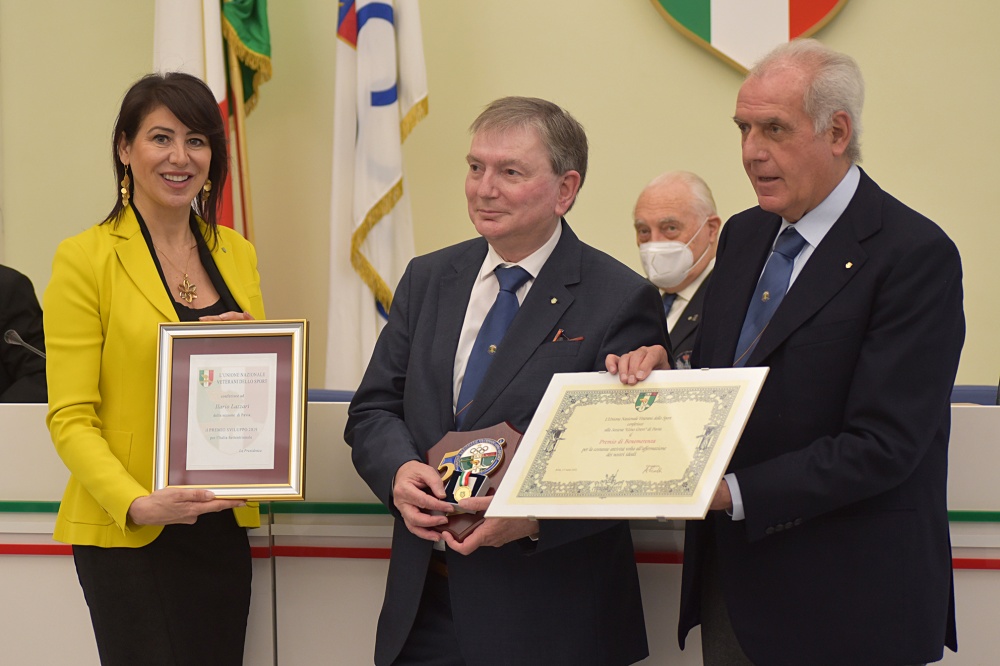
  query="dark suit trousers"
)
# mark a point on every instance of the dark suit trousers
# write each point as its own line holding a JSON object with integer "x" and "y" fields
{"x": 432, "y": 640}
{"x": 719, "y": 646}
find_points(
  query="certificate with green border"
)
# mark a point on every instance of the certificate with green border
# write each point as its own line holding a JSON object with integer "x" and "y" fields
{"x": 231, "y": 408}
{"x": 597, "y": 448}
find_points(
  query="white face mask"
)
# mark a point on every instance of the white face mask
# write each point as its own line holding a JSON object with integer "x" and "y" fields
{"x": 667, "y": 263}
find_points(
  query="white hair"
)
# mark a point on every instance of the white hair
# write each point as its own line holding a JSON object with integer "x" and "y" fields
{"x": 836, "y": 85}
{"x": 696, "y": 186}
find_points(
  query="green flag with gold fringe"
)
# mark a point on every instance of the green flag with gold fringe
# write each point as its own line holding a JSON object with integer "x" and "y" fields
{"x": 244, "y": 27}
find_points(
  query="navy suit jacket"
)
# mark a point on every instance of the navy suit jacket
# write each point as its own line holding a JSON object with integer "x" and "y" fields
{"x": 685, "y": 331}
{"x": 844, "y": 556}
{"x": 22, "y": 372}
{"x": 573, "y": 596}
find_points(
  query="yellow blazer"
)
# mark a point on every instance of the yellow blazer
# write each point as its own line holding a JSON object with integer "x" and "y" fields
{"x": 101, "y": 311}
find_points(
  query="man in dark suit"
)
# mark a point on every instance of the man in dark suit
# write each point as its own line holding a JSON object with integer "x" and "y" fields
{"x": 22, "y": 372}
{"x": 830, "y": 539}
{"x": 677, "y": 230}
{"x": 514, "y": 591}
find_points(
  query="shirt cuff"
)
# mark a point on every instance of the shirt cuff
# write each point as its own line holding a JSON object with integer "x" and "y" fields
{"x": 737, "y": 512}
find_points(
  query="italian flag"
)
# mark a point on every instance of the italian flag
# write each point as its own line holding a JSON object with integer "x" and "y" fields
{"x": 742, "y": 31}
{"x": 188, "y": 37}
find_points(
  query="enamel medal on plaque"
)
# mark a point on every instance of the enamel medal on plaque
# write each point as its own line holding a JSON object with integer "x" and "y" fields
{"x": 472, "y": 464}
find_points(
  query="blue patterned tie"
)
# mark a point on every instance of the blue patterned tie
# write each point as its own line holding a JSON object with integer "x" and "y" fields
{"x": 487, "y": 343}
{"x": 770, "y": 291}
{"x": 668, "y": 302}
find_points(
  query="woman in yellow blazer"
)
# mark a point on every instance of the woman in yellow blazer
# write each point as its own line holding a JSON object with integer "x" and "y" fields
{"x": 166, "y": 574}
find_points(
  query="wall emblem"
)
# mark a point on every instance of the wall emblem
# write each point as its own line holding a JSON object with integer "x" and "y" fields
{"x": 741, "y": 31}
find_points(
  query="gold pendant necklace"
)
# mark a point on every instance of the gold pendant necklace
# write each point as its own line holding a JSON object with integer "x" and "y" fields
{"x": 186, "y": 290}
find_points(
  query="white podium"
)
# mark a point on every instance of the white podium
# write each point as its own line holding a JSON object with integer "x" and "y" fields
{"x": 327, "y": 556}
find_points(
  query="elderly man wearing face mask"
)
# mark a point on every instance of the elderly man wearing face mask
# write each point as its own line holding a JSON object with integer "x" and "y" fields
{"x": 677, "y": 228}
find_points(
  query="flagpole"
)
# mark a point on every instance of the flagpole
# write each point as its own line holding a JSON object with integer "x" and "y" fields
{"x": 236, "y": 84}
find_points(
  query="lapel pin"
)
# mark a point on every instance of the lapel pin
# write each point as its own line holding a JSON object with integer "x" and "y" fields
{"x": 224, "y": 249}
{"x": 693, "y": 317}
{"x": 554, "y": 300}
{"x": 848, "y": 264}
{"x": 766, "y": 296}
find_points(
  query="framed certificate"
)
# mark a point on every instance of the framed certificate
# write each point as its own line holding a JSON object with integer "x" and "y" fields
{"x": 597, "y": 448}
{"x": 231, "y": 408}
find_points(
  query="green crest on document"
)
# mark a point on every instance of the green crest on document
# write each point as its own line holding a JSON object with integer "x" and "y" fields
{"x": 644, "y": 401}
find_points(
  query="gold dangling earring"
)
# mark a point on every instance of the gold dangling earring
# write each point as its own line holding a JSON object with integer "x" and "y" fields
{"x": 205, "y": 192}
{"x": 126, "y": 182}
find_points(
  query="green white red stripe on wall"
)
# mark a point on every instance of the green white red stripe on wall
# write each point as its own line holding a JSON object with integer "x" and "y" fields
{"x": 17, "y": 539}
{"x": 741, "y": 31}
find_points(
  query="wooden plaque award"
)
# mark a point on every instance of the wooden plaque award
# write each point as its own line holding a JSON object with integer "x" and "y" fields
{"x": 472, "y": 464}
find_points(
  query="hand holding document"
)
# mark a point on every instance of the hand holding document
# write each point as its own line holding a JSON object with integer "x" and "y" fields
{"x": 599, "y": 449}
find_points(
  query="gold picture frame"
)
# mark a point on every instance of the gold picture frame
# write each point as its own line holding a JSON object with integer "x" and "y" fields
{"x": 231, "y": 403}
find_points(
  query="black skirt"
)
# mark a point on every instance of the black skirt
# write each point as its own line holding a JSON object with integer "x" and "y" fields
{"x": 181, "y": 600}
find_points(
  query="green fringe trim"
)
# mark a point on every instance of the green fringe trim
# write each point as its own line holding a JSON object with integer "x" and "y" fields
{"x": 258, "y": 62}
